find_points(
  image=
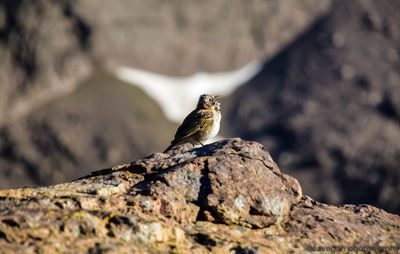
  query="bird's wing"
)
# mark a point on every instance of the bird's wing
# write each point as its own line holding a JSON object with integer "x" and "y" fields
{"x": 194, "y": 122}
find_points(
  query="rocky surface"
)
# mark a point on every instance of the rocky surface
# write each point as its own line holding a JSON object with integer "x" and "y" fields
{"x": 328, "y": 108}
{"x": 229, "y": 196}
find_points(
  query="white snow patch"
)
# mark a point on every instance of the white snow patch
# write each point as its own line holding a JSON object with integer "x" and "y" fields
{"x": 177, "y": 96}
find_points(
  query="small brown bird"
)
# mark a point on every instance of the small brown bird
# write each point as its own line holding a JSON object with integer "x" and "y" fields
{"x": 201, "y": 124}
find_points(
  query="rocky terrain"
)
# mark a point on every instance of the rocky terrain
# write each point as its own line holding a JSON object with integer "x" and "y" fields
{"x": 227, "y": 197}
{"x": 328, "y": 106}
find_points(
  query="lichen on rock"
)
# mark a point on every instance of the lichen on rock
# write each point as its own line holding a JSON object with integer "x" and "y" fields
{"x": 228, "y": 196}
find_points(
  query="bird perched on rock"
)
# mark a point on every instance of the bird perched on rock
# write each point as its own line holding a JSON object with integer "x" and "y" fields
{"x": 201, "y": 124}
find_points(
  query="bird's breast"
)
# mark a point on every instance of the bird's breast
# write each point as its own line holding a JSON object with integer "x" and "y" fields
{"x": 216, "y": 124}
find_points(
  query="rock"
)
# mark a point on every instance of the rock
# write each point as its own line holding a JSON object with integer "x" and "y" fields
{"x": 209, "y": 178}
{"x": 327, "y": 107}
{"x": 228, "y": 196}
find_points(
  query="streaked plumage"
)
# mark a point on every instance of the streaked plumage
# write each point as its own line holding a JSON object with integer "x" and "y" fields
{"x": 201, "y": 124}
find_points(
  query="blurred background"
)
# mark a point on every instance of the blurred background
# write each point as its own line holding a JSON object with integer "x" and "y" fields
{"x": 89, "y": 84}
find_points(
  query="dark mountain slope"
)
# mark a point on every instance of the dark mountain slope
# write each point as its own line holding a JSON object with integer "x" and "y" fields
{"x": 103, "y": 122}
{"x": 328, "y": 106}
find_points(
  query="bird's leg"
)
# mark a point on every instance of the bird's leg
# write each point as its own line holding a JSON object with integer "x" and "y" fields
{"x": 200, "y": 143}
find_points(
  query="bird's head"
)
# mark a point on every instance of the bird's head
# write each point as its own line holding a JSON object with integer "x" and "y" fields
{"x": 209, "y": 102}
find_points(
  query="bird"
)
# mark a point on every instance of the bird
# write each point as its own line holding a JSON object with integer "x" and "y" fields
{"x": 201, "y": 124}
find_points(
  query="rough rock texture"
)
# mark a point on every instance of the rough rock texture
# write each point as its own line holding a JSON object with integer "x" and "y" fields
{"x": 328, "y": 106}
{"x": 225, "y": 197}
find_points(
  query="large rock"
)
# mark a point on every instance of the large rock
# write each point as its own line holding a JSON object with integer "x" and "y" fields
{"x": 227, "y": 196}
{"x": 328, "y": 106}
